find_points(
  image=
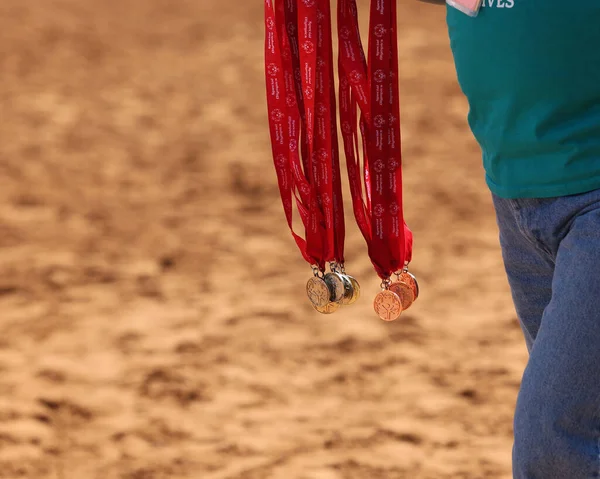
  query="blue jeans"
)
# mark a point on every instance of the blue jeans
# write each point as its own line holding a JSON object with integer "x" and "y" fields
{"x": 551, "y": 251}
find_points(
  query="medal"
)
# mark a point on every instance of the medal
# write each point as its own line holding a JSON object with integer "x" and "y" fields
{"x": 329, "y": 308}
{"x": 351, "y": 290}
{"x": 335, "y": 283}
{"x": 356, "y": 289}
{"x": 369, "y": 86}
{"x": 387, "y": 304}
{"x": 404, "y": 292}
{"x": 333, "y": 290}
{"x": 317, "y": 291}
{"x": 407, "y": 287}
{"x": 409, "y": 279}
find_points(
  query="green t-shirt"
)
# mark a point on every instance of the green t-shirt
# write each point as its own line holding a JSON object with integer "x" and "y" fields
{"x": 530, "y": 70}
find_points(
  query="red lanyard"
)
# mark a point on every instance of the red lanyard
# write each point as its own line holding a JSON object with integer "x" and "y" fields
{"x": 329, "y": 107}
{"x": 285, "y": 125}
{"x": 302, "y": 117}
{"x": 373, "y": 87}
{"x": 302, "y": 120}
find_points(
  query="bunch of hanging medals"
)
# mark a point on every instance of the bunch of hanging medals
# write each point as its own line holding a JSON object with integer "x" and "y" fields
{"x": 302, "y": 109}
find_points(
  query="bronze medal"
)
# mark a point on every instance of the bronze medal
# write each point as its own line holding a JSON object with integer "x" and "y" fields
{"x": 388, "y": 305}
{"x": 410, "y": 280}
{"x": 329, "y": 308}
{"x": 405, "y": 292}
{"x": 336, "y": 286}
{"x": 318, "y": 292}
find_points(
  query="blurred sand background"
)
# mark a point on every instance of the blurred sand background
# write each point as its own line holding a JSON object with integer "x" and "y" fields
{"x": 153, "y": 322}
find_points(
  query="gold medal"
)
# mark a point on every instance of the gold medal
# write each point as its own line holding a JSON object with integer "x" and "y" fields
{"x": 356, "y": 288}
{"x": 318, "y": 292}
{"x": 388, "y": 305}
{"x": 336, "y": 286}
{"x": 410, "y": 280}
{"x": 405, "y": 292}
{"x": 329, "y": 308}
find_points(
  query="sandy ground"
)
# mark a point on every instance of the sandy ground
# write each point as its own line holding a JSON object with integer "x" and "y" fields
{"x": 152, "y": 316}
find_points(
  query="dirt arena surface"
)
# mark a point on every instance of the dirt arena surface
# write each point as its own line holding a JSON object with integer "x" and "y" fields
{"x": 153, "y": 322}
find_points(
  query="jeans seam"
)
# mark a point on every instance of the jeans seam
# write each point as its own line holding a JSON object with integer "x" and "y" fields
{"x": 516, "y": 207}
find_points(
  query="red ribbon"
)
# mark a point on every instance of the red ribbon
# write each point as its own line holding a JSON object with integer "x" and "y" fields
{"x": 302, "y": 123}
{"x": 372, "y": 86}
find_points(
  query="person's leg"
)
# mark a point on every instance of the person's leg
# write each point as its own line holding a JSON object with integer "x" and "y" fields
{"x": 528, "y": 267}
{"x": 557, "y": 424}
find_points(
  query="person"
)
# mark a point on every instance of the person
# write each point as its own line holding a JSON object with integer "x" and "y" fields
{"x": 530, "y": 70}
